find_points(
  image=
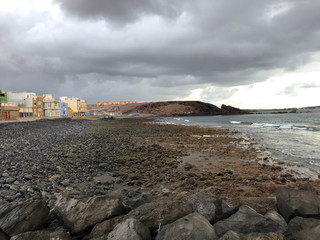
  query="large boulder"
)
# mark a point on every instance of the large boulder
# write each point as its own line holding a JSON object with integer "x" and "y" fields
{"x": 135, "y": 202}
{"x": 303, "y": 228}
{"x": 208, "y": 206}
{"x": 79, "y": 215}
{"x": 101, "y": 230}
{"x": 191, "y": 227}
{"x": 297, "y": 202}
{"x": 43, "y": 235}
{"x": 275, "y": 216}
{"x": 260, "y": 204}
{"x": 130, "y": 229}
{"x": 231, "y": 235}
{"x": 16, "y": 218}
{"x": 246, "y": 220}
{"x": 159, "y": 213}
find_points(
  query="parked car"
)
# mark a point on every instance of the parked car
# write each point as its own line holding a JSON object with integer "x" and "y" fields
{"x": 108, "y": 117}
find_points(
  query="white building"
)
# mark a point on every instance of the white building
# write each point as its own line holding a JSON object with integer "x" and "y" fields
{"x": 51, "y": 106}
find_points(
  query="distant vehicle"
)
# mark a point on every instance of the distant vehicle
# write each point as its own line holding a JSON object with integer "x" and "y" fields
{"x": 108, "y": 117}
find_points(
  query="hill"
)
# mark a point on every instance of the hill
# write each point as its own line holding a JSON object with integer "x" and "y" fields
{"x": 182, "y": 108}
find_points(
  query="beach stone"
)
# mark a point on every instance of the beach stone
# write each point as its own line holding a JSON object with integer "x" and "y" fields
{"x": 208, "y": 206}
{"x": 301, "y": 228}
{"x": 10, "y": 180}
{"x": 130, "y": 229}
{"x": 193, "y": 226}
{"x": 275, "y": 216}
{"x": 247, "y": 220}
{"x": 133, "y": 203}
{"x": 297, "y": 202}
{"x": 16, "y": 218}
{"x": 79, "y": 215}
{"x": 101, "y": 230}
{"x": 160, "y": 212}
{"x": 43, "y": 235}
{"x": 231, "y": 235}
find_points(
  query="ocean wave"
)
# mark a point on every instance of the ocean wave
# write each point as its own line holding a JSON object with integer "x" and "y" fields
{"x": 282, "y": 126}
{"x": 315, "y": 163}
{"x": 235, "y": 122}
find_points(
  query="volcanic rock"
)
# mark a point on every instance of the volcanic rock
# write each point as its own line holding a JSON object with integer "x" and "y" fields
{"x": 297, "y": 202}
{"x": 160, "y": 213}
{"x": 130, "y": 229}
{"x": 303, "y": 228}
{"x": 79, "y": 215}
{"x": 16, "y": 218}
{"x": 193, "y": 226}
{"x": 208, "y": 206}
{"x": 101, "y": 230}
{"x": 43, "y": 235}
{"x": 247, "y": 220}
{"x": 231, "y": 235}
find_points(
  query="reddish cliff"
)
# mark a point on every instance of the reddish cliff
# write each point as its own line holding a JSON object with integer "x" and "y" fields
{"x": 180, "y": 108}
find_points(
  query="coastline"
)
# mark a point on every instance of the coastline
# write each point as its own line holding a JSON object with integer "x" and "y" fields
{"x": 129, "y": 163}
{"x": 168, "y": 161}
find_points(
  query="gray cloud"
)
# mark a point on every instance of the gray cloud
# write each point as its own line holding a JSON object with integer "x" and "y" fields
{"x": 119, "y": 12}
{"x": 156, "y": 49}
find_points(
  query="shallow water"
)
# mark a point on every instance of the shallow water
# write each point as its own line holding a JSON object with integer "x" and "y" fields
{"x": 292, "y": 137}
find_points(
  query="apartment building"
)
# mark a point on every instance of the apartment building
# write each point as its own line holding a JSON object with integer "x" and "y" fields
{"x": 51, "y": 106}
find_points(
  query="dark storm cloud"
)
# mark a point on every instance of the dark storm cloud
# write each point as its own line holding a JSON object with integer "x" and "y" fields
{"x": 164, "y": 47}
{"x": 120, "y": 11}
{"x": 223, "y": 39}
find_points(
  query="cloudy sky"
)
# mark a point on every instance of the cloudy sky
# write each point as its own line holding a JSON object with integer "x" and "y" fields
{"x": 246, "y": 53}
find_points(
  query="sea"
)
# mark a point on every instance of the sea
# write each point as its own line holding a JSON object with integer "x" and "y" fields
{"x": 293, "y": 138}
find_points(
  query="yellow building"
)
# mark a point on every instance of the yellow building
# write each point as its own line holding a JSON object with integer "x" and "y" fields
{"x": 77, "y": 105}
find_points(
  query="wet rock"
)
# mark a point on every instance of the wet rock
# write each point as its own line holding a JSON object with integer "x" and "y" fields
{"x": 130, "y": 229}
{"x": 208, "y": 206}
{"x": 293, "y": 202}
{"x": 247, "y": 220}
{"x": 43, "y": 235}
{"x": 80, "y": 215}
{"x": 16, "y": 218}
{"x": 193, "y": 226}
{"x": 159, "y": 213}
{"x": 101, "y": 230}
{"x": 231, "y": 235}
{"x": 133, "y": 203}
{"x": 303, "y": 228}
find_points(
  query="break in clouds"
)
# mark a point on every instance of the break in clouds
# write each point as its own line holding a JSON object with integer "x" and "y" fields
{"x": 154, "y": 50}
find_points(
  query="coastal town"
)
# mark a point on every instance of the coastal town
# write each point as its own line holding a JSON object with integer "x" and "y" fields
{"x": 14, "y": 105}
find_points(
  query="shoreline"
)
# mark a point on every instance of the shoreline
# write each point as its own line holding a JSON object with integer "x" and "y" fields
{"x": 59, "y": 165}
{"x": 168, "y": 161}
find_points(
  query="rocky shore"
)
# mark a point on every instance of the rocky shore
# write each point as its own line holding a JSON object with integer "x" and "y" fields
{"x": 84, "y": 179}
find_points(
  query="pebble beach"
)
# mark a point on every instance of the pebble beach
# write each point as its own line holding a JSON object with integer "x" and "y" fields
{"x": 78, "y": 159}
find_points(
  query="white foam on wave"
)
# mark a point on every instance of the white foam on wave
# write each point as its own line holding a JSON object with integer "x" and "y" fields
{"x": 280, "y": 126}
{"x": 300, "y": 128}
{"x": 315, "y": 163}
{"x": 186, "y": 120}
{"x": 285, "y": 126}
{"x": 235, "y": 122}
